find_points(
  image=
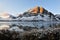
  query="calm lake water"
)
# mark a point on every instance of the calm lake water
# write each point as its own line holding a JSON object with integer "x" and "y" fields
{"x": 31, "y": 24}
{"x": 45, "y": 30}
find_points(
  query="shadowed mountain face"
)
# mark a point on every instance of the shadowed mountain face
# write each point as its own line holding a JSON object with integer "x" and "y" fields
{"x": 57, "y": 16}
{"x": 38, "y": 13}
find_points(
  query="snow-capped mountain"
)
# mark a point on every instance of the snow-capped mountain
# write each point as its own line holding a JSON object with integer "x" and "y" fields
{"x": 6, "y": 16}
{"x": 38, "y": 13}
{"x": 57, "y": 16}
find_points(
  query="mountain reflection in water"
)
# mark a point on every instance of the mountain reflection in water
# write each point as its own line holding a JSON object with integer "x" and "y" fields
{"x": 29, "y": 30}
{"x": 29, "y": 24}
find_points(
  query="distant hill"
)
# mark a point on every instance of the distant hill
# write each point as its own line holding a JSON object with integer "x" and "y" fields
{"x": 6, "y": 16}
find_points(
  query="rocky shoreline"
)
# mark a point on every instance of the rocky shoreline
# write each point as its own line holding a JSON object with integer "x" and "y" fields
{"x": 34, "y": 34}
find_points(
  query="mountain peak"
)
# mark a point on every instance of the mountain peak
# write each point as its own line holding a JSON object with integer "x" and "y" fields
{"x": 41, "y": 9}
{"x": 36, "y": 10}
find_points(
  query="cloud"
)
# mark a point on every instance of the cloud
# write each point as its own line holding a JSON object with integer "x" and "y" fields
{"x": 4, "y": 15}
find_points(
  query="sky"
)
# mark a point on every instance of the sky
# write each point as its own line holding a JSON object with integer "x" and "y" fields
{"x": 16, "y": 7}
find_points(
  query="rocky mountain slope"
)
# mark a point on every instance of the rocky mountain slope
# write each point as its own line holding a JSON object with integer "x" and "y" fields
{"x": 57, "y": 16}
{"x": 38, "y": 13}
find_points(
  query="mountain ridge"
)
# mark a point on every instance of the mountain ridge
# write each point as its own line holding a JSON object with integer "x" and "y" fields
{"x": 36, "y": 13}
{"x": 42, "y": 12}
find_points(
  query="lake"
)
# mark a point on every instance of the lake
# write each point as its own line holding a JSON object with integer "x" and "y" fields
{"x": 38, "y": 25}
{"x": 29, "y": 30}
